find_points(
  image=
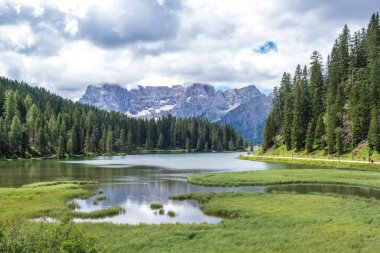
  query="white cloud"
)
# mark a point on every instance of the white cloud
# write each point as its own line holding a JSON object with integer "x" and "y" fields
{"x": 67, "y": 45}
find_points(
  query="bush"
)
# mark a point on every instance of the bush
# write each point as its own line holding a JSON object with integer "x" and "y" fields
{"x": 65, "y": 236}
{"x": 155, "y": 206}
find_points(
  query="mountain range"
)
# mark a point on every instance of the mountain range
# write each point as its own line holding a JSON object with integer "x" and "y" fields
{"x": 245, "y": 109}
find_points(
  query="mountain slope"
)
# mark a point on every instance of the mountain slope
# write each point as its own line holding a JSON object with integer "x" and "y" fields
{"x": 245, "y": 109}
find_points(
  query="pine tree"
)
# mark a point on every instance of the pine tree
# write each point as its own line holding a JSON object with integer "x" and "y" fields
{"x": 88, "y": 148}
{"x": 359, "y": 108}
{"x": 32, "y": 124}
{"x": 110, "y": 142}
{"x": 122, "y": 142}
{"x": 103, "y": 141}
{"x": 41, "y": 140}
{"x": 288, "y": 115}
{"x": 15, "y": 135}
{"x": 51, "y": 125}
{"x": 316, "y": 86}
{"x": 148, "y": 143}
{"x": 231, "y": 145}
{"x": 200, "y": 145}
{"x": 188, "y": 148}
{"x": 300, "y": 110}
{"x": 61, "y": 146}
{"x": 3, "y": 138}
{"x": 130, "y": 145}
{"x": 374, "y": 132}
{"x": 161, "y": 142}
{"x": 72, "y": 143}
{"x": 319, "y": 132}
{"x": 269, "y": 132}
{"x": 206, "y": 149}
{"x": 339, "y": 141}
{"x": 309, "y": 138}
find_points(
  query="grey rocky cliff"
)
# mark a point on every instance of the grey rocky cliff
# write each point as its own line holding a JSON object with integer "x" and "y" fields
{"x": 245, "y": 109}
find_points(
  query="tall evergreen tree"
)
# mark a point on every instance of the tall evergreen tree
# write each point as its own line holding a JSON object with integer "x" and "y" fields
{"x": 130, "y": 145}
{"x": 15, "y": 135}
{"x": 374, "y": 132}
{"x": 161, "y": 142}
{"x": 110, "y": 142}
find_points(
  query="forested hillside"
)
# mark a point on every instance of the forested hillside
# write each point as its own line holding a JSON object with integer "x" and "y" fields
{"x": 35, "y": 123}
{"x": 334, "y": 106}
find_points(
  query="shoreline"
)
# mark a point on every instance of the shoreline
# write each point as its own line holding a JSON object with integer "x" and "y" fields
{"x": 141, "y": 152}
{"x": 327, "y": 163}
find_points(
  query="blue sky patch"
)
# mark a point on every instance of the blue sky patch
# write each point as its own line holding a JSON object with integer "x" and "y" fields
{"x": 267, "y": 47}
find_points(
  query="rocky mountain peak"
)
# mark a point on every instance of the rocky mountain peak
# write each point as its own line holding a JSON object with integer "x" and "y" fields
{"x": 190, "y": 100}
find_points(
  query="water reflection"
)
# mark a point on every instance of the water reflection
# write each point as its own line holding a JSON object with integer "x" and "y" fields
{"x": 136, "y": 198}
{"x": 134, "y": 182}
{"x": 117, "y": 168}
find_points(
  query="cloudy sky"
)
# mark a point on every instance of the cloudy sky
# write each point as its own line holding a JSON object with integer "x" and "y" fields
{"x": 67, "y": 45}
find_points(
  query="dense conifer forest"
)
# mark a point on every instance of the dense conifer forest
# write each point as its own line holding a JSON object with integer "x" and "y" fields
{"x": 36, "y": 123}
{"x": 332, "y": 107}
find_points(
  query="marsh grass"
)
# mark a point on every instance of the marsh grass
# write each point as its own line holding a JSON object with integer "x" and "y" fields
{"x": 171, "y": 214}
{"x": 288, "y": 176}
{"x": 156, "y": 206}
{"x": 72, "y": 205}
{"x": 63, "y": 236}
{"x": 40, "y": 200}
{"x": 55, "y": 183}
{"x": 280, "y": 222}
{"x": 98, "y": 214}
{"x": 338, "y": 164}
{"x": 161, "y": 212}
{"x": 101, "y": 198}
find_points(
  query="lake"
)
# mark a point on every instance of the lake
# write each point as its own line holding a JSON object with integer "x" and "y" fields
{"x": 135, "y": 182}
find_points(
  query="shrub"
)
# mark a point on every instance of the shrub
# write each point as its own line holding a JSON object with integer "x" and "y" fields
{"x": 65, "y": 236}
{"x": 171, "y": 214}
{"x": 155, "y": 206}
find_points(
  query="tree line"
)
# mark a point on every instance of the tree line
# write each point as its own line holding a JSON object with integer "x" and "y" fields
{"x": 334, "y": 107}
{"x": 37, "y": 123}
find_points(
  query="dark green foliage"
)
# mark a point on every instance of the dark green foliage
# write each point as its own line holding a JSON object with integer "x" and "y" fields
{"x": 300, "y": 109}
{"x": 154, "y": 206}
{"x": 374, "y": 132}
{"x": 309, "y": 138}
{"x": 64, "y": 236}
{"x": 269, "y": 132}
{"x": 319, "y": 133}
{"x": 34, "y": 123}
{"x": 331, "y": 110}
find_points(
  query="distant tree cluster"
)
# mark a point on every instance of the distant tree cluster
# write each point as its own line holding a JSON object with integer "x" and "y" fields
{"x": 34, "y": 122}
{"x": 333, "y": 109}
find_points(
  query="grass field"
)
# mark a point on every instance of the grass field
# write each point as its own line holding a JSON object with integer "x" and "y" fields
{"x": 39, "y": 200}
{"x": 260, "y": 223}
{"x": 270, "y": 222}
{"x": 288, "y": 176}
{"x": 323, "y": 163}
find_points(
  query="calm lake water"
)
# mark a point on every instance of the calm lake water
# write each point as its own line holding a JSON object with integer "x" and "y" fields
{"x": 134, "y": 182}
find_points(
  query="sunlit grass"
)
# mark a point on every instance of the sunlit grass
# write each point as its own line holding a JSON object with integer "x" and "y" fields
{"x": 46, "y": 199}
{"x": 288, "y": 176}
{"x": 97, "y": 214}
{"x": 258, "y": 223}
{"x": 155, "y": 206}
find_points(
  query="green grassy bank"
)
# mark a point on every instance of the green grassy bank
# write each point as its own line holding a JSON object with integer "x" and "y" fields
{"x": 340, "y": 164}
{"x": 288, "y": 176}
{"x": 259, "y": 223}
{"x": 253, "y": 223}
